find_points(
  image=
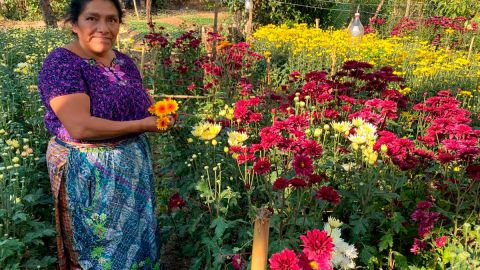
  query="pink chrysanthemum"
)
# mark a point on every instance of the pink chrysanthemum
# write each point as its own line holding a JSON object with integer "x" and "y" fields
{"x": 285, "y": 260}
{"x": 317, "y": 246}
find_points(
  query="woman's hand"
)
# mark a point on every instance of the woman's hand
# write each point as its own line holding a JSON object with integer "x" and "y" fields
{"x": 150, "y": 123}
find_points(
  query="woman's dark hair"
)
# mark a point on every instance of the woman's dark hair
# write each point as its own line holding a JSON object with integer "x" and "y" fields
{"x": 77, "y": 6}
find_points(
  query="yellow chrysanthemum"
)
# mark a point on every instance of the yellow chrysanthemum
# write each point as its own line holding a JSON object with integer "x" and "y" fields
{"x": 357, "y": 139}
{"x": 206, "y": 131}
{"x": 341, "y": 127}
{"x": 236, "y": 138}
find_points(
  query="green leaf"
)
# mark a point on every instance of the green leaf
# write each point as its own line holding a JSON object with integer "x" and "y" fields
{"x": 400, "y": 260}
{"x": 220, "y": 225}
{"x": 19, "y": 217}
{"x": 359, "y": 226}
{"x": 367, "y": 255}
{"x": 385, "y": 242}
{"x": 397, "y": 220}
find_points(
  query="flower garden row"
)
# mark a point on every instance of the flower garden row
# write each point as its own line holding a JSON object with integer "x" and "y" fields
{"x": 380, "y": 134}
{"x": 365, "y": 152}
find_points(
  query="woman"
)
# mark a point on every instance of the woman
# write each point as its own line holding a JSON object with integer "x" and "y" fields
{"x": 99, "y": 162}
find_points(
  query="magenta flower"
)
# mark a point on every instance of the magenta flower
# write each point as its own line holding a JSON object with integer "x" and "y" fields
{"x": 303, "y": 165}
{"x": 328, "y": 194}
{"x": 284, "y": 260}
{"x": 317, "y": 245}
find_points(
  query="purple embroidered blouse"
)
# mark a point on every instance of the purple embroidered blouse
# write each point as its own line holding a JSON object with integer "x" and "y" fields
{"x": 116, "y": 92}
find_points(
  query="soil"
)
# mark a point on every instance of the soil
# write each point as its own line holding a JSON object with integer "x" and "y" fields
{"x": 174, "y": 19}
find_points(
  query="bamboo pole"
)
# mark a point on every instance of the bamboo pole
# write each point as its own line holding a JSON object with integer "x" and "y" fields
{"x": 179, "y": 96}
{"x": 260, "y": 240}
{"x": 317, "y": 23}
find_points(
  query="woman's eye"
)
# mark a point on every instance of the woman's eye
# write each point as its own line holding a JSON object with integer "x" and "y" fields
{"x": 90, "y": 18}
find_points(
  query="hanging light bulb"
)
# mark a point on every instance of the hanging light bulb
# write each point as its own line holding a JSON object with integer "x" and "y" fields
{"x": 248, "y": 4}
{"x": 356, "y": 28}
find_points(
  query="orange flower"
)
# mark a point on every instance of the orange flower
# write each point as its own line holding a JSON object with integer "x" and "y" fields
{"x": 160, "y": 108}
{"x": 171, "y": 105}
{"x": 224, "y": 44}
{"x": 162, "y": 123}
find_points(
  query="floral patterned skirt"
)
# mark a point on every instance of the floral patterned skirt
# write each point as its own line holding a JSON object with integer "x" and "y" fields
{"x": 104, "y": 205}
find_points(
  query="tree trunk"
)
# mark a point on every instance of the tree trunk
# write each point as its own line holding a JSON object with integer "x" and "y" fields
{"x": 148, "y": 11}
{"x": 48, "y": 15}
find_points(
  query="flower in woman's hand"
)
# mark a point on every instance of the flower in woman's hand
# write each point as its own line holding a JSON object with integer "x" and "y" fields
{"x": 163, "y": 123}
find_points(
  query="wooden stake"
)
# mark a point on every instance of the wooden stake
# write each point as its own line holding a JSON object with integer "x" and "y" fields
{"x": 379, "y": 7}
{"x": 215, "y": 30}
{"x": 142, "y": 61}
{"x": 407, "y": 9}
{"x": 260, "y": 240}
{"x": 269, "y": 66}
{"x": 317, "y": 23}
{"x": 136, "y": 9}
{"x": 470, "y": 50}
{"x": 249, "y": 23}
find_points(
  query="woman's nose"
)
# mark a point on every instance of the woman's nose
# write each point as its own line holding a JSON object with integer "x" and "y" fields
{"x": 102, "y": 26}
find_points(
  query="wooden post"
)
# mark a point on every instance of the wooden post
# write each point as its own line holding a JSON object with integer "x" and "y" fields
{"x": 317, "y": 23}
{"x": 269, "y": 67}
{"x": 136, "y": 9}
{"x": 142, "y": 61}
{"x": 407, "y": 8}
{"x": 470, "y": 50}
{"x": 379, "y": 7}
{"x": 250, "y": 22}
{"x": 260, "y": 240}
{"x": 215, "y": 29}
{"x": 148, "y": 11}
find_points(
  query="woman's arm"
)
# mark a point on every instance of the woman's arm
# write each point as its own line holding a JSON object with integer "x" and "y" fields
{"x": 73, "y": 111}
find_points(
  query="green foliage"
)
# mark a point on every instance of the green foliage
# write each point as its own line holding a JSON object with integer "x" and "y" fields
{"x": 26, "y": 229}
{"x": 464, "y": 8}
{"x": 30, "y": 10}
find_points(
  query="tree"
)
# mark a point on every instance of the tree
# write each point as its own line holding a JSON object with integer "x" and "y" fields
{"x": 48, "y": 15}
{"x": 148, "y": 11}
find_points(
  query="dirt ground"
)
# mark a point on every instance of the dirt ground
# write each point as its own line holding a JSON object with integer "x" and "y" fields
{"x": 174, "y": 18}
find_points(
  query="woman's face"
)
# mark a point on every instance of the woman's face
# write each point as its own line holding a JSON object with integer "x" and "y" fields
{"x": 97, "y": 26}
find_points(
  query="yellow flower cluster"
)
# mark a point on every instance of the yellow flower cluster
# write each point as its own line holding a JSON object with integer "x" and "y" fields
{"x": 364, "y": 137}
{"x": 409, "y": 56}
{"x": 226, "y": 112}
{"x": 206, "y": 131}
{"x": 236, "y": 138}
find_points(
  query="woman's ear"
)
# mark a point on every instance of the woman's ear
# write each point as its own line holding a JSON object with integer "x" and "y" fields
{"x": 74, "y": 28}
